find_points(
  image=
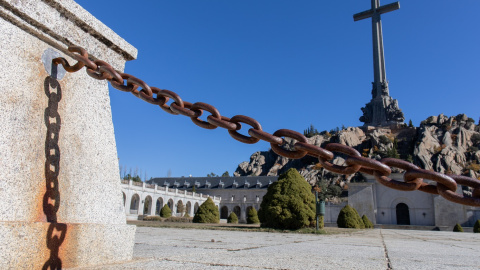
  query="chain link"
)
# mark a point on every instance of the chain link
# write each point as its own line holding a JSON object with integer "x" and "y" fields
{"x": 446, "y": 185}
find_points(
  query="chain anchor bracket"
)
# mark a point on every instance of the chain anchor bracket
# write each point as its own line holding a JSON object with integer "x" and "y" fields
{"x": 55, "y": 71}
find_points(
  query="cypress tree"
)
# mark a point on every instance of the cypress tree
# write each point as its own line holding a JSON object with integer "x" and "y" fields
{"x": 476, "y": 227}
{"x": 349, "y": 218}
{"x": 207, "y": 213}
{"x": 252, "y": 217}
{"x": 458, "y": 228}
{"x": 232, "y": 218}
{"x": 368, "y": 224}
{"x": 288, "y": 204}
{"x": 166, "y": 212}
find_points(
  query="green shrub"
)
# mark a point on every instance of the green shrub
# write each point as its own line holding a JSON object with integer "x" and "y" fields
{"x": 207, "y": 213}
{"x": 186, "y": 215}
{"x": 288, "y": 204}
{"x": 349, "y": 218}
{"x": 384, "y": 139}
{"x": 328, "y": 191}
{"x": 152, "y": 218}
{"x": 165, "y": 212}
{"x": 473, "y": 167}
{"x": 458, "y": 228}
{"x": 476, "y": 227}
{"x": 475, "y": 139}
{"x": 252, "y": 216}
{"x": 232, "y": 218}
{"x": 321, "y": 224}
{"x": 472, "y": 149}
{"x": 178, "y": 219}
{"x": 368, "y": 224}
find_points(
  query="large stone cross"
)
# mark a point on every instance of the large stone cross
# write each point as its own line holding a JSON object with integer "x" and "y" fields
{"x": 380, "y": 85}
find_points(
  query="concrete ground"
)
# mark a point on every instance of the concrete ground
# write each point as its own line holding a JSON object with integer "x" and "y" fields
{"x": 170, "y": 248}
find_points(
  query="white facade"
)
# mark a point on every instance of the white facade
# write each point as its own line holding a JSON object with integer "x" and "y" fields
{"x": 384, "y": 205}
{"x": 237, "y": 200}
{"x": 238, "y": 194}
{"x": 140, "y": 198}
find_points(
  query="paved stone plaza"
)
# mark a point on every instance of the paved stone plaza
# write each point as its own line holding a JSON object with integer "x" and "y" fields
{"x": 167, "y": 248}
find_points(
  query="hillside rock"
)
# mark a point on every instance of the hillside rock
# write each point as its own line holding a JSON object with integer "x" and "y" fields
{"x": 441, "y": 143}
{"x": 351, "y": 136}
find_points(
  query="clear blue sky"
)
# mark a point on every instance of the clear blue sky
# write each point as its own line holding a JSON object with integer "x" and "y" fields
{"x": 287, "y": 64}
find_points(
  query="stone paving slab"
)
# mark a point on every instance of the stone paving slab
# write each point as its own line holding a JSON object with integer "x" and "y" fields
{"x": 169, "y": 248}
{"x": 432, "y": 249}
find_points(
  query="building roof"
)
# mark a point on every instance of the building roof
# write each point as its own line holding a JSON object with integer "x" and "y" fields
{"x": 243, "y": 182}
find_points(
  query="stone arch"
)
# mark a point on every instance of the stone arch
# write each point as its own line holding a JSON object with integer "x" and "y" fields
{"x": 402, "y": 214}
{"x": 159, "y": 206}
{"x": 224, "y": 212}
{"x": 170, "y": 204}
{"x": 393, "y": 209}
{"x": 147, "y": 206}
{"x": 134, "y": 204}
{"x": 238, "y": 211}
{"x": 195, "y": 208}
{"x": 180, "y": 208}
{"x": 188, "y": 208}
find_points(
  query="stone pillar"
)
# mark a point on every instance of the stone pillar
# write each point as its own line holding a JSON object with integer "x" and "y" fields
{"x": 62, "y": 203}
{"x": 448, "y": 213}
{"x": 360, "y": 196}
{"x": 128, "y": 202}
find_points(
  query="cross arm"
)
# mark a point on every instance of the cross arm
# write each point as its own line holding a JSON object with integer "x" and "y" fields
{"x": 363, "y": 15}
{"x": 388, "y": 8}
{"x": 380, "y": 10}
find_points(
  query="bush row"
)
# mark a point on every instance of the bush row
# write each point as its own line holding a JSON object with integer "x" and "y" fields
{"x": 476, "y": 227}
{"x": 169, "y": 219}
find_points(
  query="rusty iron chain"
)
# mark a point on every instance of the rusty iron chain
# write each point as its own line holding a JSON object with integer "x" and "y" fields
{"x": 446, "y": 185}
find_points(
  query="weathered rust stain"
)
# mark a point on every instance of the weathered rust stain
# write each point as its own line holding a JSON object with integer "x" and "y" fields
{"x": 69, "y": 249}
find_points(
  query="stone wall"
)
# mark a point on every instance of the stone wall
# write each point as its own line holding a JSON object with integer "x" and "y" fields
{"x": 155, "y": 197}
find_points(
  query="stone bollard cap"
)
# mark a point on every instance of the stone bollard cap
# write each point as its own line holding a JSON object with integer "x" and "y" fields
{"x": 63, "y": 23}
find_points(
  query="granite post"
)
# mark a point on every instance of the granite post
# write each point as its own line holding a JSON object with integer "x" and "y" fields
{"x": 62, "y": 203}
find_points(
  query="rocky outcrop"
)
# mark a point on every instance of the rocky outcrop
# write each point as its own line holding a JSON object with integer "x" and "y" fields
{"x": 351, "y": 136}
{"x": 443, "y": 144}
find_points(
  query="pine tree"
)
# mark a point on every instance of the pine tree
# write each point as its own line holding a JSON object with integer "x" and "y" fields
{"x": 310, "y": 131}
{"x": 410, "y": 124}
